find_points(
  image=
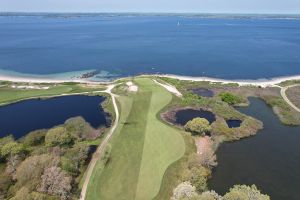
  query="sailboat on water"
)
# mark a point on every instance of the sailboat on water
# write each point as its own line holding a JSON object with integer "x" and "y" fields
{"x": 178, "y": 23}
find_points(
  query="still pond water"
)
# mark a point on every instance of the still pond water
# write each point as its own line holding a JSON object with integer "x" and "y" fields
{"x": 270, "y": 160}
{"x": 183, "y": 116}
{"x": 29, "y": 115}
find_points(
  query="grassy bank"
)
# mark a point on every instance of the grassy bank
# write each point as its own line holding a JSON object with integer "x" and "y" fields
{"x": 9, "y": 92}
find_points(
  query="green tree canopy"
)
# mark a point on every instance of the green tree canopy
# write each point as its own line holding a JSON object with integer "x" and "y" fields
{"x": 198, "y": 126}
{"x": 230, "y": 98}
{"x": 58, "y": 136}
{"x": 12, "y": 148}
{"x": 243, "y": 192}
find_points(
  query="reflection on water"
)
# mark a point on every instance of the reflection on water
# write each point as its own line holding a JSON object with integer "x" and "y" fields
{"x": 270, "y": 160}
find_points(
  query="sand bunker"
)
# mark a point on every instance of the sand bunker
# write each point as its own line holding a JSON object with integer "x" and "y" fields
{"x": 132, "y": 87}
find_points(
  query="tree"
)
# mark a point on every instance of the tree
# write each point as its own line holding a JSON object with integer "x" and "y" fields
{"x": 31, "y": 169}
{"x": 198, "y": 126}
{"x": 58, "y": 136}
{"x": 184, "y": 190}
{"x": 12, "y": 148}
{"x": 34, "y": 138}
{"x": 78, "y": 127}
{"x": 230, "y": 98}
{"x": 6, "y": 140}
{"x": 243, "y": 192}
{"x": 13, "y": 152}
{"x": 74, "y": 158}
{"x": 209, "y": 195}
{"x": 56, "y": 182}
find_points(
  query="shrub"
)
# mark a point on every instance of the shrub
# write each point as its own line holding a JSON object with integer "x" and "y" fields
{"x": 22, "y": 194}
{"x": 40, "y": 196}
{"x": 5, "y": 183}
{"x": 198, "y": 126}
{"x": 199, "y": 179}
{"x": 197, "y": 176}
{"x": 230, "y": 98}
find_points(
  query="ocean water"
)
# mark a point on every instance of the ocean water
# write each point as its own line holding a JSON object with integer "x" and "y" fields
{"x": 125, "y": 45}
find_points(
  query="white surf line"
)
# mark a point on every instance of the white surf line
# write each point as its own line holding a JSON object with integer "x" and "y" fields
{"x": 283, "y": 94}
{"x": 101, "y": 148}
{"x": 259, "y": 82}
{"x": 170, "y": 88}
{"x": 47, "y": 80}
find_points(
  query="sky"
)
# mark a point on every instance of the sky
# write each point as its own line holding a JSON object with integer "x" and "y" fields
{"x": 168, "y": 6}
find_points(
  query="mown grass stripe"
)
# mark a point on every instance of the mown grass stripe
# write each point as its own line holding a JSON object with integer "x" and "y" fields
{"x": 119, "y": 179}
{"x": 163, "y": 145}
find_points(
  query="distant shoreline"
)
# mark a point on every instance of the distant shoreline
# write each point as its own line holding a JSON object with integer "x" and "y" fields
{"x": 243, "y": 82}
{"x": 183, "y": 14}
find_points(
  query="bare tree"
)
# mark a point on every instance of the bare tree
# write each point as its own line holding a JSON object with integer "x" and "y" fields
{"x": 55, "y": 181}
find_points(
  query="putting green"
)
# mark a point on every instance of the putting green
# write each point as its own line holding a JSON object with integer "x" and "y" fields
{"x": 142, "y": 148}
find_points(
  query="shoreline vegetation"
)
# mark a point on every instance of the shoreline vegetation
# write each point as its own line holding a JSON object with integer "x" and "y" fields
{"x": 192, "y": 170}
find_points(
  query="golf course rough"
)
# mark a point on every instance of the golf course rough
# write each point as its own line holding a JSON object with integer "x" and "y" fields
{"x": 142, "y": 149}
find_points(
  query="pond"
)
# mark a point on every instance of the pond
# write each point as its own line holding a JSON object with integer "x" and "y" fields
{"x": 233, "y": 123}
{"x": 29, "y": 115}
{"x": 185, "y": 115}
{"x": 270, "y": 160}
{"x": 203, "y": 92}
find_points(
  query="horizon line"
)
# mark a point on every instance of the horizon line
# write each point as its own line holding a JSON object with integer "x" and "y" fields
{"x": 145, "y": 13}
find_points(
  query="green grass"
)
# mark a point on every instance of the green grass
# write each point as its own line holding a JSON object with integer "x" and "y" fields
{"x": 9, "y": 95}
{"x": 142, "y": 149}
{"x": 124, "y": 105}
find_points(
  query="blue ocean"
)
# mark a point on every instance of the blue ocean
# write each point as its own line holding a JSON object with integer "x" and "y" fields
{"x": 125, "y": 45}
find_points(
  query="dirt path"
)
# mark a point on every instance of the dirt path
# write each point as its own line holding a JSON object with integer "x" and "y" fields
{"x": 203, "y": 145}
{"x": 283, "y": 94}
{"x": 101, "y": 148}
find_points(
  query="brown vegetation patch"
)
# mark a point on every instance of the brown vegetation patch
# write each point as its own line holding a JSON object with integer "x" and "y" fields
{"x": 205, "y": 151}
{"x": 293, "y": 94}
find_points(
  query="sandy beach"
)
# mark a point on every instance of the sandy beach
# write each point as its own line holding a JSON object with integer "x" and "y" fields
{"x": 259, "y": 82}
{"x": 44, "y": 80}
